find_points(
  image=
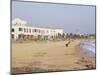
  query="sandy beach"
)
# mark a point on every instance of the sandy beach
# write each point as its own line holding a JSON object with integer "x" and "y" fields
{"x": 49, "y": 56}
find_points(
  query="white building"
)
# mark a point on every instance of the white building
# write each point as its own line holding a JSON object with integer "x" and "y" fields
{"x": 21, "y": 30}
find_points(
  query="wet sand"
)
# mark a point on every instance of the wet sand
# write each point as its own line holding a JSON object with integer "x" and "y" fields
{"x": 49, "y": 56}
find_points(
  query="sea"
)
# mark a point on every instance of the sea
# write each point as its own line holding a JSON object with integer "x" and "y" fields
{"x": 88, "y": 48}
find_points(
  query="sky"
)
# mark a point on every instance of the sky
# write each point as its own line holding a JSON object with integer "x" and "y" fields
{"x": 71, "y": 18}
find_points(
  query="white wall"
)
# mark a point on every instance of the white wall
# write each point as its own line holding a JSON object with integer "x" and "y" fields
{"x": 19, "y": 23}
{"x": 5, "y": 37}
{"x": 51, "y": 32}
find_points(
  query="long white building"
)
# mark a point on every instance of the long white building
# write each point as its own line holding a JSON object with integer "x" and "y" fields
{"x": 21, "y": 30}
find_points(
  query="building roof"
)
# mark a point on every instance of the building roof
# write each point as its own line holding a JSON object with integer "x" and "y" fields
{"x": 20, "y": 22}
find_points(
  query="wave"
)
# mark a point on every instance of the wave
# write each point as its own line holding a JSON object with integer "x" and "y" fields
{"x": 88, "y": 48}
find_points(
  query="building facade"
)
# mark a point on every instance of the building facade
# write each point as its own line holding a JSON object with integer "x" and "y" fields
{"x": 21, "y": 30}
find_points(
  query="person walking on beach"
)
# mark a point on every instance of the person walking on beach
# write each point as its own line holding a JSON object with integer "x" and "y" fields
{"x": 67, "y": 43}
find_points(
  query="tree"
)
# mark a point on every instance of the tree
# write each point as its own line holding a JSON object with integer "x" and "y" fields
{"x": 59, "y": 35}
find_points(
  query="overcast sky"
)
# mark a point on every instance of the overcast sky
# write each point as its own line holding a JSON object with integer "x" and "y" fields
{"x": 72, "y": 18}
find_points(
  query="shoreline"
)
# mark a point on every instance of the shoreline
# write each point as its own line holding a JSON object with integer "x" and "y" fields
{"x": 90, "y": 62}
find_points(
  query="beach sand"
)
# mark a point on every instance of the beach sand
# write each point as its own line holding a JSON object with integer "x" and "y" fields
{"x": 48, "y": 56}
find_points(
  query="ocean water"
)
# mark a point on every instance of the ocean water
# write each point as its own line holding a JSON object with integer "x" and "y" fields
{"x": 88, "y": 48}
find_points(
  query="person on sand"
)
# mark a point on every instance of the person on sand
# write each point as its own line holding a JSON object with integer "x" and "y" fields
{"x": 67, "y": 43}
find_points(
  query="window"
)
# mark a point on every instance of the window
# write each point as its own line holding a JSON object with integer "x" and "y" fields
{"x": 12, "y": 36}
{"x": 20, "y": 29}
{"x": 30, "y": 30}
{"x": 27, "y": 30}
{"x": 24, "y": 30}
{"x": 35, "y": 30}
{"x": 39, "y": 31}
{"x": 12, "y": 29}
